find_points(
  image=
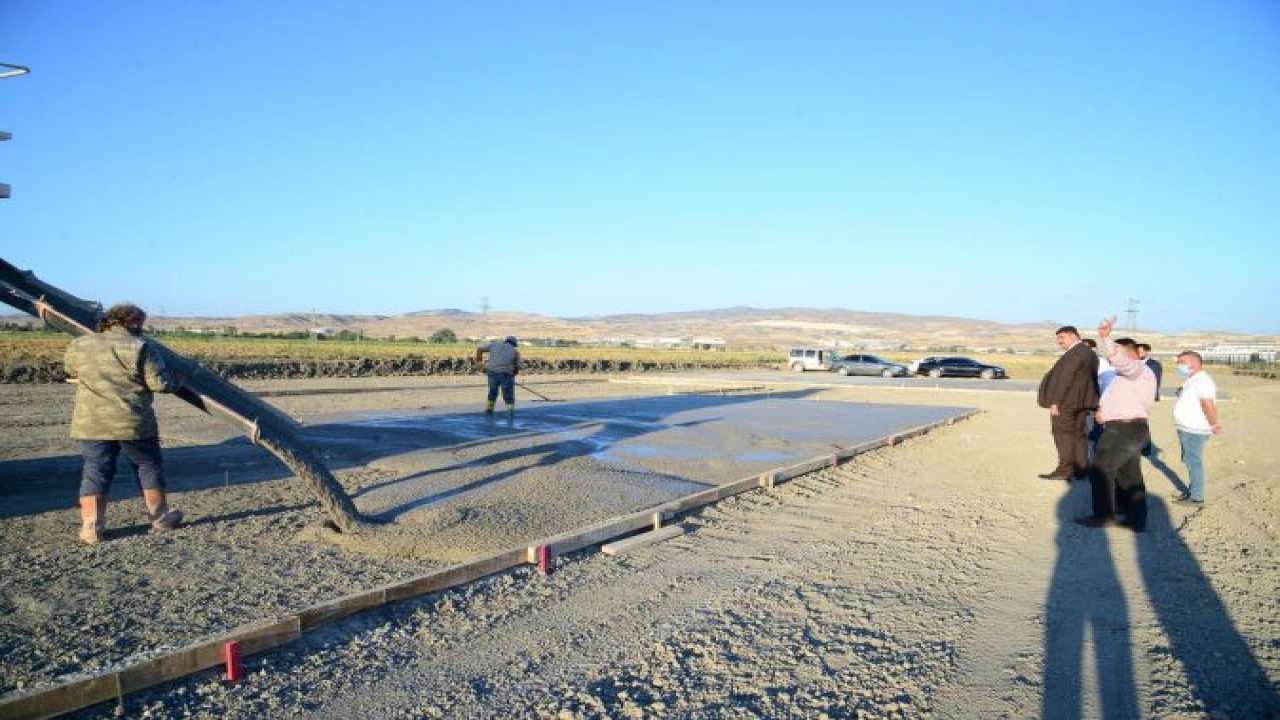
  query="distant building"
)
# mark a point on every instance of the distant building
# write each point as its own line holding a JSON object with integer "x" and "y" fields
{"x": 1241, "y": 353}
{"x": 665, "y": 343}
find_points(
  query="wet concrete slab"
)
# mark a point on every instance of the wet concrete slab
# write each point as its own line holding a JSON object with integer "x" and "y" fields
{"x": 597, "y": 456}
{"x": 647, "y": 448}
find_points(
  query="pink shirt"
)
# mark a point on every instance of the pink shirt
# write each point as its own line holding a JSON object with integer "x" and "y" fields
{"x": 1132, "y": 393}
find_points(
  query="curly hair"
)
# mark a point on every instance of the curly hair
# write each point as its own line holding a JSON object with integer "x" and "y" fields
{"x": 122, "y": 315}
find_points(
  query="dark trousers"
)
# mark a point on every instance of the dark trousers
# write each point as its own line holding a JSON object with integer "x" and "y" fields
{"x": 100, "y": 464}
{"x": 1116, "y": 478}
{"x": 1068, "y": 428}
{"x": 504, "y": 381}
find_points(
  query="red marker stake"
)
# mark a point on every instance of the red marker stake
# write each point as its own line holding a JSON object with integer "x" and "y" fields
{"x": 235, "y": 666}
{"x": 544, "y": 560}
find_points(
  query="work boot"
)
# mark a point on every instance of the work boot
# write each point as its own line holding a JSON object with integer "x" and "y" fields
{"x": 162, "y": 518}
{"x": 488, "y": 410}
{"x": 93, "y": 518}
{"x": 511, "y": 412}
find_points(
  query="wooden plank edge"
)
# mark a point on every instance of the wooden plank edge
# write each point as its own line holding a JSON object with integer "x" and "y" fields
{"x": 642, "y": 540}
{"x": 59, "y": 699}
{"x": 77, "y": 694}
{"x": 455, "y": 575}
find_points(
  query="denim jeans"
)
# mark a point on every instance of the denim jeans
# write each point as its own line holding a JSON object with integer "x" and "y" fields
{"x": 506, "y": 382}
{"x": 1193, "y": 458}
{"x": 100, "y": 464}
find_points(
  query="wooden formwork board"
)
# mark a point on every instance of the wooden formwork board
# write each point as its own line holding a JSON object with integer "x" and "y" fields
{"x": 455, "y": 575}
{"x": 641, "y": 540}
{"x": 72, "y": 695}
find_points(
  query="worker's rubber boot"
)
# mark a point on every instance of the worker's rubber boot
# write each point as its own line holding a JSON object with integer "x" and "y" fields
{"x": 93, "y": 518}
{"x": 162, "y": 518}
{"x": 488, "y": 410}
{"x": 511, "y": 412}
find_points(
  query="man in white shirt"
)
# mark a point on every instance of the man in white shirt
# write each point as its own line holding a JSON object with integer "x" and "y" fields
{"x": 1195, "y": 415}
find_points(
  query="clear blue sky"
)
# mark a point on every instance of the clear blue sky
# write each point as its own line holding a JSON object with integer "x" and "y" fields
{"x": 1013, "y": 161}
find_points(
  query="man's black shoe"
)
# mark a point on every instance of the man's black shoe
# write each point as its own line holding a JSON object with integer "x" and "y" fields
{"x": 1092, "y": 521}
{"x": 1055, "y": 475}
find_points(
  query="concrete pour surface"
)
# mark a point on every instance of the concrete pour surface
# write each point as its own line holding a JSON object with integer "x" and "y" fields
{"x": 463, "y": 483}
{"x": 448, "y": 483}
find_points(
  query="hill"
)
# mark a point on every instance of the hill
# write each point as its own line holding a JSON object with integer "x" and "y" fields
{"x": 739, "y": 327}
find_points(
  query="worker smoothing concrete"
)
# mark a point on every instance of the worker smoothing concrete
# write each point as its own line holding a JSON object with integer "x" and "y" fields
{"x": 502, "y": 367}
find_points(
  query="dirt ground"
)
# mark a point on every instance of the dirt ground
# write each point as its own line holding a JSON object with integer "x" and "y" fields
{"x": 938, "y": 578}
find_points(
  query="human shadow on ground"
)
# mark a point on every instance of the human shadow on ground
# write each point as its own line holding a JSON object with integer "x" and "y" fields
{"x": 39, "y": 485}
{"x": 1169, "y": 473}
{"x": 549, "y": 454}
{"x": 1225, "y": 676}
{"x": 1086, "y": 605}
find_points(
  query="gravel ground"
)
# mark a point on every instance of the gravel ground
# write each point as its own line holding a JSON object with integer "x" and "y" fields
{"x": 938, "y": 578}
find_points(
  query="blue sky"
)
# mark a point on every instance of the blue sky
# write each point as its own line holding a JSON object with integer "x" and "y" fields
{"x": 1009, "y": 161}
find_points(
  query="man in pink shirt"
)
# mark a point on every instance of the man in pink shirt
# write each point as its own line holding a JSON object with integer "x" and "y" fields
{"x": 1123, "y": 410}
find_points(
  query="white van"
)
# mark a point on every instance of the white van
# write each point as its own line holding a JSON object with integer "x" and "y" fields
{"x": 801, "y": 359}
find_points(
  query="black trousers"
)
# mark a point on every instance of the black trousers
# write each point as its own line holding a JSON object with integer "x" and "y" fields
{"x": 1068, "y": 428}
{"x": 1116, "y": 476}
{"x": 99, "y": 469}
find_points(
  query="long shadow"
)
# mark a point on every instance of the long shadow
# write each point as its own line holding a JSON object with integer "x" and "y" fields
{"x": 607, "y": 433}
{"x": 551, "y": 454}
{"x": 1086, "y": 604}
{"x": 1225, "y": 676}
{"x": 1169, "y": 473}
{"x": 32, "y": 486}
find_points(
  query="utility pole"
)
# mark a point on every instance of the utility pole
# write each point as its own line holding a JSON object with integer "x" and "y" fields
{"x": 484, "y": 305}
{"x": 1132, "y": 312}
{"x": 9, "y": 70}
{"x": 4, "y": 187}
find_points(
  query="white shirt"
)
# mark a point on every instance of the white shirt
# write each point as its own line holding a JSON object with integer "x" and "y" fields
{"x": 1188, "y": 415}
{"x": 1106, "y": 374}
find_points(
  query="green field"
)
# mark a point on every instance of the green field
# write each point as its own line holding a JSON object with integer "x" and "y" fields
{"x": 43, "y": 346}
{"x": 46, "y": 347}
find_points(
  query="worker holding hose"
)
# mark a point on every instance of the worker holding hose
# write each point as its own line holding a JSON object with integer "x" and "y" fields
{"x": 117, "y": 372}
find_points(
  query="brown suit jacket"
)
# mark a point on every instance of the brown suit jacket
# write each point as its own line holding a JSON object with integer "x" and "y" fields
{"x": 1072, "y": 382}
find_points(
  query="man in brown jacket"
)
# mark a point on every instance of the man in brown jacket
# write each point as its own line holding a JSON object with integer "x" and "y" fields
{"x": 1069, "y": 391}
{"x": 116, "y": 372}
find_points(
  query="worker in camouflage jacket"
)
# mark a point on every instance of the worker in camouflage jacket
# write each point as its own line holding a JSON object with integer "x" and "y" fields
{"x": 117, "y": 371}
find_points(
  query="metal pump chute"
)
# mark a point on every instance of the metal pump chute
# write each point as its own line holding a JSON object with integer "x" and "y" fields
{"x": 263, "y": 424}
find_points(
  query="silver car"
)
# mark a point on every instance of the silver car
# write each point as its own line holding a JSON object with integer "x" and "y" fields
{"x": 867, "y": 365}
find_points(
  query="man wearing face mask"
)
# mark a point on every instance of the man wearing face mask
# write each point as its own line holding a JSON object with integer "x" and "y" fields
{"x": 117, "y": 371}
{"x": 1195, "y": 415}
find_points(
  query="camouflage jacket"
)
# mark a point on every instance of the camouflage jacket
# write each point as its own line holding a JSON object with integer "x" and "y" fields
{"x": 116, "y": 374}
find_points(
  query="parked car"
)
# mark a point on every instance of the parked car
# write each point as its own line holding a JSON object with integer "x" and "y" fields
{"x": 801, "y": 359}
{"x": 867, "y": 365}
{"x": 936, "y": 367}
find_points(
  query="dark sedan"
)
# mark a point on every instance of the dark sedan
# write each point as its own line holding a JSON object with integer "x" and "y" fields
{"x": 867, "y": 365}
{"x": 936, "y": 367}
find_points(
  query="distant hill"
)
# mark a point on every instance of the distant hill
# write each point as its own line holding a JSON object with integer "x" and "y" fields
{"x": 739, "y": 327}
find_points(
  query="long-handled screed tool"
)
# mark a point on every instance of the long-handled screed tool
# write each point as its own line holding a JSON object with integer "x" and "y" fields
{"x": 535, "y": 392}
